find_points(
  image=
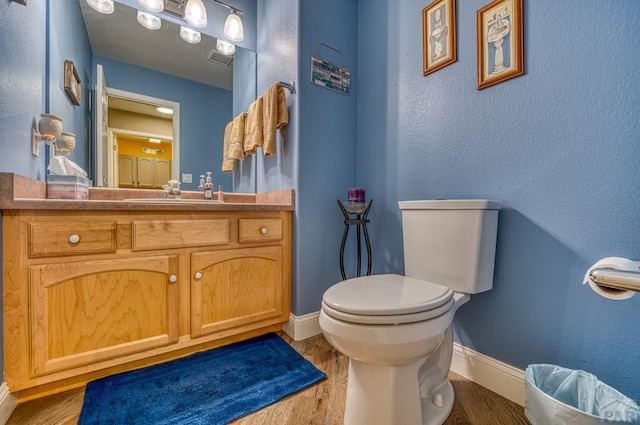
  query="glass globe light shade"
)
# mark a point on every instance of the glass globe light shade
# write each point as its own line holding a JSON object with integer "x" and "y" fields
{"x": 225, "y": 48}
{"x": 195, "y": 13}
{"x": 102, "y": 6}
{"x": 233, "y": 29}
{"x": 189, "y": 35}
{"x": 149, "y": 21}
{"x": 152, "y": 5}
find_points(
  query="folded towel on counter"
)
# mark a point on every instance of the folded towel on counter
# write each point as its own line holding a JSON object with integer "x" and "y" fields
{"x": 276, "y": 116}
{"x": 253, "y": 136}
{"x": 236, "y": 145}
{"x": 228, "y": 163}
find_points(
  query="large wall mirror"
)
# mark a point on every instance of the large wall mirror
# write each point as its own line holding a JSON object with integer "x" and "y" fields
{"x": 162, "y": 103}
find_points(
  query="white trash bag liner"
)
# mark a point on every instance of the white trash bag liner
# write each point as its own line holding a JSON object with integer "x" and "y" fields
{"x": 560, "y": 396}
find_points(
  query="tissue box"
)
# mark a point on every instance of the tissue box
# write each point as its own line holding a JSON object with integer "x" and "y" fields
{"x": 67, "y": 187}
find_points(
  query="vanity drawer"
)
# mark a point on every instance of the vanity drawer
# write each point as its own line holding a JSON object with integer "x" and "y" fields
{"x": 163, "y": 234}
{"x": 71, "y": 238}
{"x": 252, "y": 230}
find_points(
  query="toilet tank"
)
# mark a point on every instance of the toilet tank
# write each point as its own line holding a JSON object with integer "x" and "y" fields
{"x": 451, "y": 242}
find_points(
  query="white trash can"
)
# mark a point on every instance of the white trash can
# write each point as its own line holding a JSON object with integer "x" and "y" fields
{"x": 560, "y": 396}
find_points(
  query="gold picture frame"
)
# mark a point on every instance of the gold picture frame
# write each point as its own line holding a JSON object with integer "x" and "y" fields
{"x": 439, "y": 35}
{"x": 72, "y": 83}
{"x": 500, "y": 42}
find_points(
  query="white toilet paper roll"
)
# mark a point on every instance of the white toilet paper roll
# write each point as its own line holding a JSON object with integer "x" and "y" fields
{"x": 616, "y": 263}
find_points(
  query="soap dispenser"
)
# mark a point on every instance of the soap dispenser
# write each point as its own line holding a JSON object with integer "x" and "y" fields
{"x": 208, "y": 187}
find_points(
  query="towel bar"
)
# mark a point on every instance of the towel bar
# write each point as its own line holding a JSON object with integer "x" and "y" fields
{"x": 623, "y": 280}
{"x": 291, "y": 86}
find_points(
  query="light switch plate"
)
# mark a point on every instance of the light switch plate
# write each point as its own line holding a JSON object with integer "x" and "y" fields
{"x": 187, "y": 178}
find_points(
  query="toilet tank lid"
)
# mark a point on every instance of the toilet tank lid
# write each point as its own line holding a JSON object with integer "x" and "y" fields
{"x": 450, "y": 204}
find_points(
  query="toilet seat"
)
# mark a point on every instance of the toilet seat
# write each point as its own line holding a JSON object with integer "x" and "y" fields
{"x": 387, "y": 299}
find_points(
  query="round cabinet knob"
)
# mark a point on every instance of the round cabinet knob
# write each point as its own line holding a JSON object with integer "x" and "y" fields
{"x": 264, "y": 230}
{"x": 198, "y": 275}
{"x": 74, "y": 239}
{"x": 173, "y": 278}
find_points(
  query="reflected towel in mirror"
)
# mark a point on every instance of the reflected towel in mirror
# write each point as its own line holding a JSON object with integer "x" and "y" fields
{"x": 253, "y": 136}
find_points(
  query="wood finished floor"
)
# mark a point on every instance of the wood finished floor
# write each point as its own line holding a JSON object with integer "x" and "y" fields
{"x": 322, "y": 403}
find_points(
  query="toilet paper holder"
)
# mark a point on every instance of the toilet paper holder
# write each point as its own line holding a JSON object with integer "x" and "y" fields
{"x": 624, "y": 280}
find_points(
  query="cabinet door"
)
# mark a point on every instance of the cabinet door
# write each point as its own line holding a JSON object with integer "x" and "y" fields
{"x": 163, "y": 172}
{"x": 146, "y": 172}
{"x": 87, "y": 312}
{"x": 236, "y": 288}
{"x": 127, "y": 174}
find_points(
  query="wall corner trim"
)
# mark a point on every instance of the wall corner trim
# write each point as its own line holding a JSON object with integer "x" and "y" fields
{"x": 303, "y": 327}
{"x": 8, "y": 403}
{"x": 501, "y": 378}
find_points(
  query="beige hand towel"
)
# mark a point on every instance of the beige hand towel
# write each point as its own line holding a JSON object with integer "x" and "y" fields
{"x": 276, "y": 116}
{"x": 236, "y": 145}
{"x": 253, "y": 136}
{"x": 228, "y": 164}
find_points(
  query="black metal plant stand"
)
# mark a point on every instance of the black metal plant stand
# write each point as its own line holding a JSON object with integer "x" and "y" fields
{"x": 360, "y": 210}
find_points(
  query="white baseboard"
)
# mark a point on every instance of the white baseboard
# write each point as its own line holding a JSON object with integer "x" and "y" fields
{"x": 490, "y": 373}
{"x": 303, "y": 327}
{"x": 8, "y": 403}
{"x": 485, "y": 371}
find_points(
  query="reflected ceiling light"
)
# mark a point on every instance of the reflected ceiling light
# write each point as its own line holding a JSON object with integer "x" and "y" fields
{"x": 225, "y": 47}
{"x": 233, "y": 29}
{"x": 195, "y": 13}
{"x": 164, "y": 110}
{"x": 102, "y": 6}
{"x": 189, "y": 35}
{"x": 149, "y": 21}
{"x": 154, "y": 140}
{"x": 152, "y": 5}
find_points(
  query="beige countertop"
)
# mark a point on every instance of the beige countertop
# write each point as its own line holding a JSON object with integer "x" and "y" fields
{"x": 18, "y": 192}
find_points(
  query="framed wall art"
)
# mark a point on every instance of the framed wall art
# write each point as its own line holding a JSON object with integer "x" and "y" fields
{"x": 438, "y": 35}
{"x": 72, "y": 83}
{"x": 500, "y": 42}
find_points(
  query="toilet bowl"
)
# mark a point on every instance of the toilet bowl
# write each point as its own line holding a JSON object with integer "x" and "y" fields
{"x": 397, "y": 330}
{"x": 399, "y": 347}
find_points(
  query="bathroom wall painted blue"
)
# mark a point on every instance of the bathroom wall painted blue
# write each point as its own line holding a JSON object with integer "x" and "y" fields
{"x": 558, "y": 147}
{"x": 317, "y": 150}
{"x": 22, "y": 85}
{"x": 204, "y": 112}
{"x": 69, "y": 41}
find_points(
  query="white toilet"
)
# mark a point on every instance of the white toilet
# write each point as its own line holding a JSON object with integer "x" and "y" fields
{"x": 397, "y": 330}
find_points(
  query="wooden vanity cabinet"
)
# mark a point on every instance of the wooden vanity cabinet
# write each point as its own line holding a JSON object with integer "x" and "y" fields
{"x": 89, "y": 293}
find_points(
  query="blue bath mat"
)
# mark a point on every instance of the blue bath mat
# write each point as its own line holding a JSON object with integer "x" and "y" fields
{"x": 212, "y": 387}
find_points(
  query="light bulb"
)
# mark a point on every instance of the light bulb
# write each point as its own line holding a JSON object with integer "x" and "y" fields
{"x": 225, "y": 48}
{"x": 233, "y": 29}
{"x": 195, "y": 13}
{"x": 102, "y": 6}
{"x": 152, "y": 5}
{"x": 149, "y": 21}
{"x": 189, "y": 35}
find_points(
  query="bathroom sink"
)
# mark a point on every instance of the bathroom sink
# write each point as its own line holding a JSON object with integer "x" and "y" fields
{"x": 171, "y": 200}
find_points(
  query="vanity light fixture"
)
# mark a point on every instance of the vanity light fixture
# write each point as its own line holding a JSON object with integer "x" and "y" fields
{"x": 233, "y": 29}
{"x": 102, "y": 6}
{"x": 149, "y": 21}
{"x": 225, "y": 47}
{"x": 164, "y": 110}
{"x": 152, "y": 5}
{"x": 189, "y": 35}
{"x": 195, "y": 13}
{"x": 49, "y": 129}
